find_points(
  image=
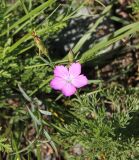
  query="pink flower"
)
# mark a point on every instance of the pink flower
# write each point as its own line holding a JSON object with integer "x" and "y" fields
{"x": 69, "y": 79}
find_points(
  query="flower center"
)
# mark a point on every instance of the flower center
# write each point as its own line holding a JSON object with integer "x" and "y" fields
{"x": 69, "y": 78}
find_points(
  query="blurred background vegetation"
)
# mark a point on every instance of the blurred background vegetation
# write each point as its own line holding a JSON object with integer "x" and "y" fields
{"x": 100, "y": 122}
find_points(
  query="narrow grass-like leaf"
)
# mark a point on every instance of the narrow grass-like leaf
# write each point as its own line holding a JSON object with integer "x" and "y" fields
{"x": 34, "y": 13}
{"x": 34, "y": 66}
{"x": 51, "y": 142}
{"x": 41, "y": 85}
{"x": 45, "y": 112}
{"x": 21, "y": 40}
{"x": 93, "y": 28}
{"x": 24, "y": 6}
{"x": 24, "y": 94}
{"x": 12, "y": 7}
{"x": 95, "y": 81}
{"x": 34, "y": 118}
{"x": 108, "y": 40}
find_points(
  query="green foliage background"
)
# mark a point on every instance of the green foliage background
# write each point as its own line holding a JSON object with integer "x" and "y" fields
{"x": 95, "y": 124}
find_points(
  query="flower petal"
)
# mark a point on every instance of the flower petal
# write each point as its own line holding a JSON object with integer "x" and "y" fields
{"x": 57, "y": 83}
{"x": 61, "y": 71}
{"x": 80, "y": 81}
{"x": 68, "y": 89}
{"x": 75, "y": 69}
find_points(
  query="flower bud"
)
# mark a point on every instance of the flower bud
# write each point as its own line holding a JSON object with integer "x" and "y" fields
{"x": 70, "y": 56}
